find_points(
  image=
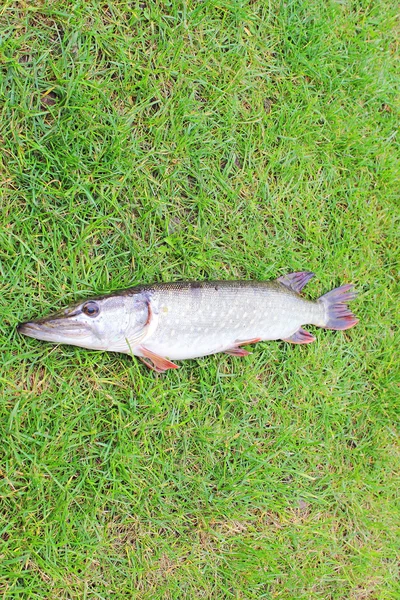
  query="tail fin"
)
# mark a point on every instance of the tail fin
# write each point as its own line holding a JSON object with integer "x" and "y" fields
{"x": 338, "y": 315}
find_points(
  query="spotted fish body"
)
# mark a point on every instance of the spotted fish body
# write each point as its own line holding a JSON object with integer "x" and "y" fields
{"x": 196, "y": 319}
{"x": 173, "y": 321}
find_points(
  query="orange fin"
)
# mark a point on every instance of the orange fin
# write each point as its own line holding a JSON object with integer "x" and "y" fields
{"x": 300, "y": 337}
{"x": 247, "y": 342}
{"x": 237, "y": 352}
{"x": 158, "y": 363}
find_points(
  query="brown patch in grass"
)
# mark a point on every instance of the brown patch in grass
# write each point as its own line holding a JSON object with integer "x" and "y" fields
{"x": 30, "y": 565}
{"x": 25, "y": 59}
{"x": 36, "y": 382}
{"x": 233, "y": 527}
{"x": 268, "y": 102}
{"x": 123, "y": 534}
{"x": 48, "y": 99}
{"x": 386, "y": 108}
{"x": 368, "y": 590}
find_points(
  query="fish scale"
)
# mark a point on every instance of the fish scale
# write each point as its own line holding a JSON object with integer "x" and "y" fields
{"x": 171, "y": 321}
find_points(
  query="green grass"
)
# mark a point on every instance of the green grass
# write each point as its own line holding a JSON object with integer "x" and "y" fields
{"x": 157, "y": 141}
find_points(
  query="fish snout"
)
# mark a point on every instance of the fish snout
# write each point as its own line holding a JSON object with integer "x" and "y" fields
{"x": 24, "y": 327}
{"x": 58, "y": 330}
{"x": 31, "y": 328}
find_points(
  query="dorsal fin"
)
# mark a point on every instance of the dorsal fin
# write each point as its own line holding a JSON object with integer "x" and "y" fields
{"x": 296, "y": 281}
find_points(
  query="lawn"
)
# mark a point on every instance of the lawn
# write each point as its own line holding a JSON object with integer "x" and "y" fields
{"x": 156, "y": 141}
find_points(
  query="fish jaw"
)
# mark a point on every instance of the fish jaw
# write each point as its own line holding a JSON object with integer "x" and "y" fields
{"x": 58, "y": 331}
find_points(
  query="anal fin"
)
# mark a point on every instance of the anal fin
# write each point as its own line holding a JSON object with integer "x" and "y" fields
{"x": 158, "y": 363}
{"x": 246, "y": 342}
{"x": 236, "y": 350}
{"x": 300, "y": 337}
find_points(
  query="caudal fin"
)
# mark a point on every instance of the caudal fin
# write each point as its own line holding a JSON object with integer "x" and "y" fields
{"x": 338, "y": 315}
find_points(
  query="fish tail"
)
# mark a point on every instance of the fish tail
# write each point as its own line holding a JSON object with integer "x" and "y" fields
{"x": 337, "y": 313}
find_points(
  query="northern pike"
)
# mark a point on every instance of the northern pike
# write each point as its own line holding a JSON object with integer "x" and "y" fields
{"x": 173, "y": 321}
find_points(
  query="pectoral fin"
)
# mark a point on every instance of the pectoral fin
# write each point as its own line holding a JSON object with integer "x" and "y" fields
{"x": 158, "y": 363}
{"x": 300, "y": 337}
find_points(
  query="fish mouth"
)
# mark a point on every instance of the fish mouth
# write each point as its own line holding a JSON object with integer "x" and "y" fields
{"x": 53, "y": 330}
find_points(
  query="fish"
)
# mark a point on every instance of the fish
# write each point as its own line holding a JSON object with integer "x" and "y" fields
{"x": 165, "y": 322}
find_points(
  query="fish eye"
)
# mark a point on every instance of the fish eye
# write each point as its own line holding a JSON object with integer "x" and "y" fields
{"x": 91, "y": 309}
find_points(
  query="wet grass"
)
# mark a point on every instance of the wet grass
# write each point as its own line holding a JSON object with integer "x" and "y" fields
{"x": 149, "y": 142}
